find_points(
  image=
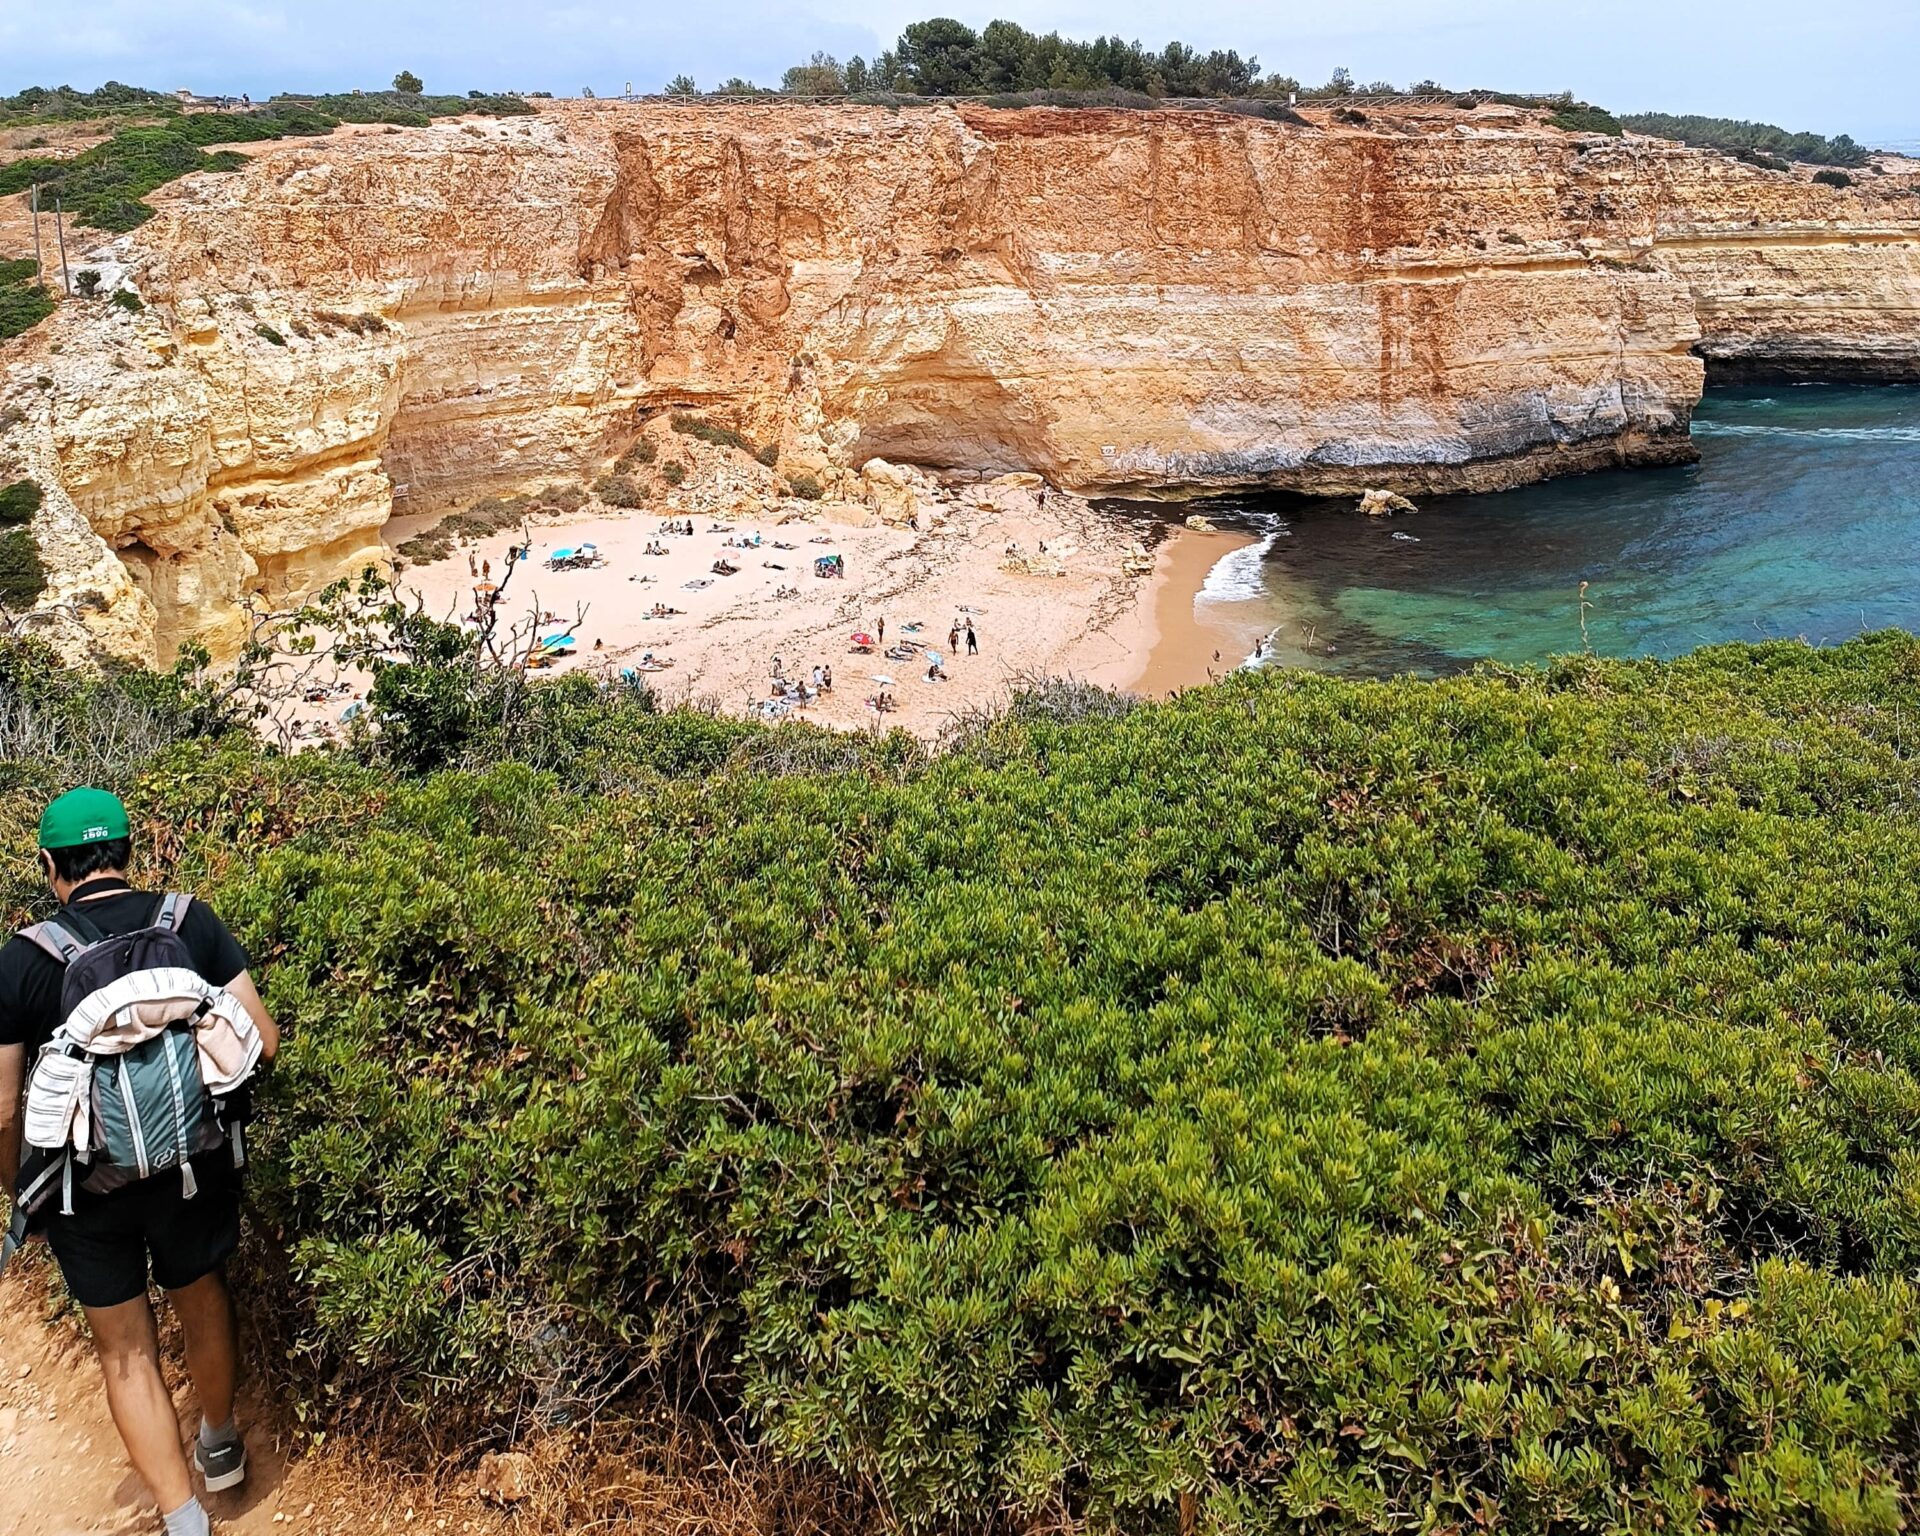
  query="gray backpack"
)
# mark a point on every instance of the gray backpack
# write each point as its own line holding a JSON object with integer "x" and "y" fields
{"x": 116, "y": 1095}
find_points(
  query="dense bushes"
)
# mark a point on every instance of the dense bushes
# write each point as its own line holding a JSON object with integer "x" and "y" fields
{"x": 1581, "y": 118}
{"x": 24, "y": 301}
{"x": 1748, "y": 139}
{"x": 1307, "y": 1104}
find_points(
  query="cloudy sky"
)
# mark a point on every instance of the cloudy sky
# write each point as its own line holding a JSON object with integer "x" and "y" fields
{"x": 1840, "y": 66}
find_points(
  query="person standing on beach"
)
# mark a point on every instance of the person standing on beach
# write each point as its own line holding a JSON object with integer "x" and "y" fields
{"x": 473, "y": 566}
{"x": 973, "y": 640}
{"x": 183, "y": 1222}
{"x": 953, "y": 638}
{"x": 881, "y": 631}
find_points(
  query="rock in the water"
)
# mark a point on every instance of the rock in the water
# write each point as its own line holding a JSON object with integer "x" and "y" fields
{"x": 1384, "y": 503}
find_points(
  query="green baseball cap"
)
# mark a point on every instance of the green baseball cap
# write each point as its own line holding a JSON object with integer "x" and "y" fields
{"x": 83, "y": 816}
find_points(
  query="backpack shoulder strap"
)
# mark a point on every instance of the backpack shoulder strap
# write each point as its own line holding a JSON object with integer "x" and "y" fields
{"x": 173, "y": 911}
{"x": 54, "y": 939}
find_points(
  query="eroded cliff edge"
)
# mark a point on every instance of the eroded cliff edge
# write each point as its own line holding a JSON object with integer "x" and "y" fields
{"x": 1157, "y": 303}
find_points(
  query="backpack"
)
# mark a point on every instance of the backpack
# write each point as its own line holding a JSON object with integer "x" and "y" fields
{"x": 146, "y": 1070}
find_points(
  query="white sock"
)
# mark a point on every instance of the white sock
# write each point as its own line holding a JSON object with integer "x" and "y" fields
{"x": 188, "y": 1520}
{"x": 213, "y": 1436}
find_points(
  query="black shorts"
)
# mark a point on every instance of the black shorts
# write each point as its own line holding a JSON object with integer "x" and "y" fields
{"x": 104, "y": 1246}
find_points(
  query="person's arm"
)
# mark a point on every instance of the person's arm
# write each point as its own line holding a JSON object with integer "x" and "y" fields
{"x": 243, "y": 988}
{"x": 13, "y": 1071}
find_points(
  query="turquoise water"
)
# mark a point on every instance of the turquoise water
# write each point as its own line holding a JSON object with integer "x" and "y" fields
{"x": 1802, "y": 519}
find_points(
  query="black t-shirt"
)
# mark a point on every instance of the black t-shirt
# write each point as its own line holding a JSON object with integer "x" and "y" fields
{"x": 30, "y": 977}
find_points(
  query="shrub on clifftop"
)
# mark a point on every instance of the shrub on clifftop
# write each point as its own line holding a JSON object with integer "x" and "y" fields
{"x": 1307, "y": 1104}
{"x": 18, "y": 502}
{"x": 23, "y": 577}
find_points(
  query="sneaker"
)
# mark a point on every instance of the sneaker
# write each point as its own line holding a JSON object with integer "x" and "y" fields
{"x": 223, "y": 1466}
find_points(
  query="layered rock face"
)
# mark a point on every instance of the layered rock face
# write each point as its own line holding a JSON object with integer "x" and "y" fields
{"x": 1141, "y": 303}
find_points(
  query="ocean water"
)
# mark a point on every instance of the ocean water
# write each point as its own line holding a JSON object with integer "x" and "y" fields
{"x": 1802, "y": 519}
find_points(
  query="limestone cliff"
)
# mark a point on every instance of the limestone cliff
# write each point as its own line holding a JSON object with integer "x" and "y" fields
{"x": 1147, "y": 303}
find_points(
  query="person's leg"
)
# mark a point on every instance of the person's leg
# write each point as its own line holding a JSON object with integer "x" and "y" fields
{"x": 129, "y": 1352}
{"x": 205, "y": 1311}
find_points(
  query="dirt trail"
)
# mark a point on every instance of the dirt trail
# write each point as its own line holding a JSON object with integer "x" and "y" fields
{"x": 63, "y": 1471}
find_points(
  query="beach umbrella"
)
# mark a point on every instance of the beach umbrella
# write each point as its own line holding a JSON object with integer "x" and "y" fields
{"x": 933, "y": 658}
{"x": 562, "y": 554}
{"x": 861, "y": 637}
{"x": 351, "y": 711}
{"x": 485, "y": 586}
{"x": 553, "y": 642}
{"x": 884, "y": 682}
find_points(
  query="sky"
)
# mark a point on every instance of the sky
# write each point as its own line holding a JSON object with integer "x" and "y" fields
{"x": 1842, "y": 66}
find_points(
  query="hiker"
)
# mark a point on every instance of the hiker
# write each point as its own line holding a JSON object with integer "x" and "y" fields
{"x": 973, "y": 640}
{"x": 104, "y": 1222}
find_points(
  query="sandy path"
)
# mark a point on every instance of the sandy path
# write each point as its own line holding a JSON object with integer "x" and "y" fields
{"x": 63, "y": 1471}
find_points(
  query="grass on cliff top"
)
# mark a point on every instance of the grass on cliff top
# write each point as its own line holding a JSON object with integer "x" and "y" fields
{"x": 103, "y": 186}
{"x": 24, "y": 303}
{"x": 1307, "y": 1104}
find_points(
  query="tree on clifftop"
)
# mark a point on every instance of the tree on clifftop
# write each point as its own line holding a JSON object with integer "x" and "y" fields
{"x": 408, "y": 83}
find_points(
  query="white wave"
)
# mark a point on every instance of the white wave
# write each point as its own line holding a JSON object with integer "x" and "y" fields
{"x": 1236, "y": 576}
{"x": 1848, "y": 434}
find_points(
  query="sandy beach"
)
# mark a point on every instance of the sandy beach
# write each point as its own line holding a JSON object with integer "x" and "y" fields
{"x": 729, "y": 632}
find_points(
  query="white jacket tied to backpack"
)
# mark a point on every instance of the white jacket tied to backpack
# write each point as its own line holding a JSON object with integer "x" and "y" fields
{"x": 142, "y": 1073}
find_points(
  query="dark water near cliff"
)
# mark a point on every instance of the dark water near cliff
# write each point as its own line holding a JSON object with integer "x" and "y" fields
{"x": 1802, "y": 519}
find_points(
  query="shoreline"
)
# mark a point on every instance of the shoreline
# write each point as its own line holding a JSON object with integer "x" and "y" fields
{"x": 1189, "y": 640}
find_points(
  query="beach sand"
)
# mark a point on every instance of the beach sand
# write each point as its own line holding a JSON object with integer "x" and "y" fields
{"x": 1186, "y": 638}
{"x": 1095, "y": 622}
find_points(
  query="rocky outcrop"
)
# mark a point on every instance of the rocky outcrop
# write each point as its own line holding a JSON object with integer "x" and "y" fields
{"x": 1133, "y": 303}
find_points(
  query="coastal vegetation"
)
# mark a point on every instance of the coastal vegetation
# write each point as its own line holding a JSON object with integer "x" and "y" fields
{"x": 24, "y": 300}
{"x": 1759, "y": 142}
{"x": 1486, "y": 1103}
{"x": 103, "y": 186}
{"x": 22, "y": 576}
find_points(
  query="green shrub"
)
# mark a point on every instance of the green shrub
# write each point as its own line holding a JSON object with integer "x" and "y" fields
{"x": 268, "y": 334}
{"x": 707, "y": 432}
{"x": 674, "y": 472}
{"x": 806, "y": 487}
{"x": 562, "y": 498}
{"x": 1581, "y": 118}
{"x": 18, "y": 502}
{"x": 619, "y": 491}
{"x": 24, "y": 303}
{"x": 1832, "y": 178}
{"x": 1304, "y": 1104}
{"x": 22, "y": 576}
{"x": 87, "y": 280}
{"x": 641, "y": 453}
{"x": 127, "y": 299}
{"x": 1761, "y": 142}
{"x": 769, "y": 455}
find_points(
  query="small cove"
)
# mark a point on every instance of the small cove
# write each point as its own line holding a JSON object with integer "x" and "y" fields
{"x": 1801, "y": 520}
